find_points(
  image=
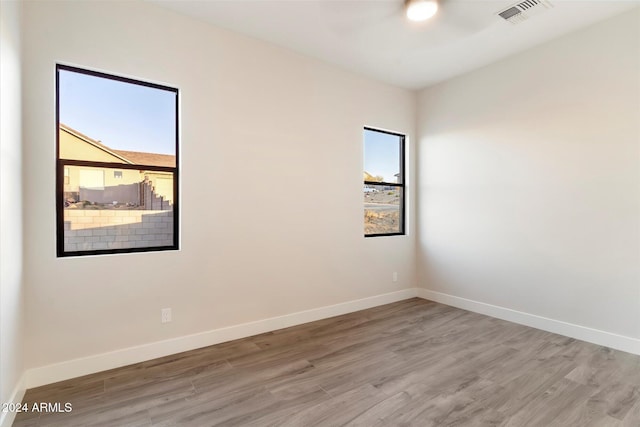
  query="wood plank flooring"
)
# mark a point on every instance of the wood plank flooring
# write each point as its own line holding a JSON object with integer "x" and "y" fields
{"x": 414, "y": 362}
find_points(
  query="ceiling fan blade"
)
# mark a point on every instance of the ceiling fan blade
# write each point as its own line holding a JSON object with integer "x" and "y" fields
{"x": 465, "y": 16}
{"x": 350, "y": 17}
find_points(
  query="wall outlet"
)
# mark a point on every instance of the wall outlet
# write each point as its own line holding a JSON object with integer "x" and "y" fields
{"x": 165, "y": 315}
{"x": 395, "y": 276}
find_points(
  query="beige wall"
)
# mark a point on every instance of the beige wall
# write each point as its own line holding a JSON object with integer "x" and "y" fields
{"x": 11, "y": 189}
{"x": 530, "y": 181}
{"x": 129, "y": 176}
{"x": 163, "y": 184}
{"x": 75, "y": 148}
{"x": 261, "y": 236}
{"x": 72, "y": 147}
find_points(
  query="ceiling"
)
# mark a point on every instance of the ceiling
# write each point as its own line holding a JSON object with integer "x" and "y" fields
{"x": 372, "y": 37}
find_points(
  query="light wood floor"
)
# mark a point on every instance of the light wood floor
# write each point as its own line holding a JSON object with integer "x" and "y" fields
{"x": 413, "y": 362}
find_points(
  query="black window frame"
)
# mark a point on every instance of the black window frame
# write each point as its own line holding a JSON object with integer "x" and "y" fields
{"x": 62, "y": 163}
{"x": 401, "y": 185}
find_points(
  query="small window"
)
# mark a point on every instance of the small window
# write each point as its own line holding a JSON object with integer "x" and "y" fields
{"x": 117, "y": 164}
{"x": 384, "y": 183}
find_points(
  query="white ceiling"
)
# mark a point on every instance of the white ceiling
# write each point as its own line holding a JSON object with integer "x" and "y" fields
{"x": 372, "y": 37}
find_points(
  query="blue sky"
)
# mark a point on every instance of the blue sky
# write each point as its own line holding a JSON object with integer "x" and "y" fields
{"x": 381, "y": 154}
{"x": 122, "y": 116}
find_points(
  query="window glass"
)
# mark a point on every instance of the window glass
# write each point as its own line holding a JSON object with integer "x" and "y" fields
{"x": 117, "y": 164}
{"x": 383, "y": 183}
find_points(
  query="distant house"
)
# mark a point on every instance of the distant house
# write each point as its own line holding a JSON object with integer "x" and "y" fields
{"x": 371, "y": 178}
{"x": 107, "y": 184}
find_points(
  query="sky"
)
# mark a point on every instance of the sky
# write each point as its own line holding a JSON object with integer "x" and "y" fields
{"x": 123, "y": 116}
{"x": 381, "y": 154}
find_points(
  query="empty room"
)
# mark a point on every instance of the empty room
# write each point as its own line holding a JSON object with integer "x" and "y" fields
{"x": 320, "y": 213}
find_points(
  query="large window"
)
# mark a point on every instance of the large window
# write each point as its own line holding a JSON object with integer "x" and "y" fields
{"x": 117, "y": 164}
{"x": 383, "y": 183}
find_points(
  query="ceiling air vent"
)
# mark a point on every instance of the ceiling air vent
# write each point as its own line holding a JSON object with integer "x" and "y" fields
{"x": 524, "y": 10}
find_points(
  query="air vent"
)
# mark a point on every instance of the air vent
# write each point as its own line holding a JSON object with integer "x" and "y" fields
{"x": 524, "y": 10}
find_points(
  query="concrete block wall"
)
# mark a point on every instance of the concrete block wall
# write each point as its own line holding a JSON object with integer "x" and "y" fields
{"x": 86, "y": 230}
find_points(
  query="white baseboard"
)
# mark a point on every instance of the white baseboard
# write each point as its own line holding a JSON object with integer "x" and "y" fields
{"x": 100, "y": 362}
{"x": 596, "y": 336}
{"x": 6, "y": 418}
{"x": 43, "y": 375}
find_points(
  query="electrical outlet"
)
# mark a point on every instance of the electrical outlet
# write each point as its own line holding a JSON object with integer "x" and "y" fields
{"x": 395, "y": 276}
{"x": 165, "y": 315}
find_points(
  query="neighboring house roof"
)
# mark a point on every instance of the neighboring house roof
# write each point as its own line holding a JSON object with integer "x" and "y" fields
{"x": 130, "y": 157}
{"x": 93, "y": 142}
{"x": 151, "y": 159}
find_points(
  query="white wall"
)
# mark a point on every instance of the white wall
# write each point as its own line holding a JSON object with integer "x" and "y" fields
{"x": 529, "y": 183}
{"x": 11, "y": 283}
{"x": 271, "y": 201}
